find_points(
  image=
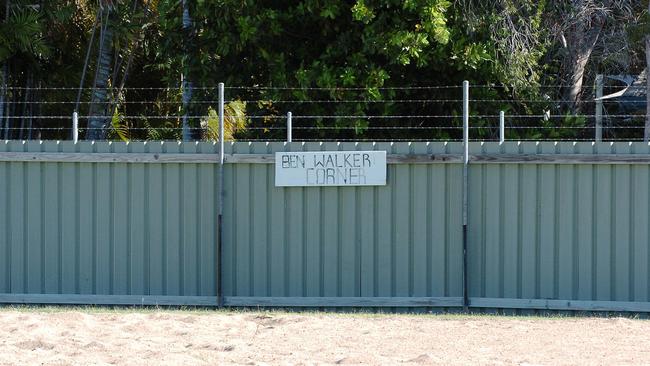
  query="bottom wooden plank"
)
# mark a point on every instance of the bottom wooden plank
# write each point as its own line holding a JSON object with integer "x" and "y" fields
{"x": 547, "y": 304}
{"x": 243, "y": 301}
{"x": 63, "y": 299}
{"x": 344, "y": 301}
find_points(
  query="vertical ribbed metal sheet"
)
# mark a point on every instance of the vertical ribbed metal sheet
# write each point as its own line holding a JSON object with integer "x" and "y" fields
{"x": 541, "y": 235}
{"x": 560, "y": 231}
{"x": 399, "y": 240}
{"x": 78, "y": 228}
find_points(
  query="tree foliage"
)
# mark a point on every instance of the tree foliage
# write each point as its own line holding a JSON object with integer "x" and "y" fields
{"x": 517, "y": 47}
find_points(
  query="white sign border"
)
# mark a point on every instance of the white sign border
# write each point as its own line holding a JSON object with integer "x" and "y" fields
{"x": 297, "y": 174}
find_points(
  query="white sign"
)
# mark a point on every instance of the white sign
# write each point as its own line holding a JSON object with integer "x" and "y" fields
{"x": 330, "y": 168}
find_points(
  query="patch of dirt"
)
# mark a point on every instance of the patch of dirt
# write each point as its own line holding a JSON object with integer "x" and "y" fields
{"x": 174, "y": 338}
{"x": 34, "y": 345}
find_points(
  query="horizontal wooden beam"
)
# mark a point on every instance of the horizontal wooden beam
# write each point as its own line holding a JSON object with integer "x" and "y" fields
{"x": 194, "y": 158}
{"x": 547, "y": 304}
{"x": 423, "y": 158}
{"x": 390, "y": 158}
{"x": 560, "y": 159}
{"x": 249, "y": 159}
{"x": 367, "y": 302}
{"x": 62, "y": 157}
{"x": 164, "y": 158}
{"x": 344, "y": 301}
{"x": 73, "y": 299}
{"x": 479, "y": 158}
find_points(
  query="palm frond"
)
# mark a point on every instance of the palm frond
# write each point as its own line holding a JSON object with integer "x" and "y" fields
{"x": 234, "y": 121}
{"x": 23, "y": 33}
{"x": 120, "y": 127}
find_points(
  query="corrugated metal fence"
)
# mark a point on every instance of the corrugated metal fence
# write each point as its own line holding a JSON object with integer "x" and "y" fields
{"x": 399, "y": 244}
{"x": 574, "y": 233}
{"x": 104, "y": 232}
{"x": 551, "y": 226}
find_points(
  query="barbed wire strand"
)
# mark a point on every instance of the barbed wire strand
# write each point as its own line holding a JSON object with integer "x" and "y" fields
{"x": 337, "y": 128}
{"x": 333, "y": 88}
{"x": 327, "y": 101}
{"x": 361, "y": 117}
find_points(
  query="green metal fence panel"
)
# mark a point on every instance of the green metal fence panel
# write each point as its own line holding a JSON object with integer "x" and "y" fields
{"x": 570, "y": 232}
{"x": 402, "y": 240}
{"x": 542, "y": 235}
{"x": 145, "y": 232}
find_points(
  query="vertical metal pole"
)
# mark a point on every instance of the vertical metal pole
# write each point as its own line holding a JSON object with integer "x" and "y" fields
{"x": 221, "y": 124}
{"x": 599, "y": 108}
{"x": 289, "y": 126}
{"x": 502, "y": 127}
{"x": 465, "y": 188}
{"x": 222, "y": 194}
{"x": 75, "y": 126}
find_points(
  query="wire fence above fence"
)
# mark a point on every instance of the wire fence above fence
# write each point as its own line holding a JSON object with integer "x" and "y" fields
{"x": 259, "y": 113}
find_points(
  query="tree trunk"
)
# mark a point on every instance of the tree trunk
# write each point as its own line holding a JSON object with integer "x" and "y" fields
{"x": 189, "y": 131}
{"x": 39, "y": 112}
{"x": 576, "y": 75}
{"x": 580, "y": 48}
{"x": 30, "y": 115}
{"x": 3, "y": 86}
{"x": 10, "y": 112}
{"x": 23, "y": 118}
{"x": 10, "y": 107}
{"x": 646, "y": 130}
{"x": 3, "y": 92}
{"x": 99, "y": 116}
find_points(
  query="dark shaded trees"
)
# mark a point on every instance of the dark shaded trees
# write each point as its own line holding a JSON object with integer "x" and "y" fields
{"x": 99, "y": 113}
{"x": 579, "y": 25}
{"x": 120, "y": 32}
{"x": 189, "y": 46}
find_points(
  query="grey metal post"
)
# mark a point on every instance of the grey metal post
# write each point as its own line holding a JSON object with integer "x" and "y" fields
{"x": 502, "y": 126}
{"x": 75, "y": 127}
{"x": 599, "y": 108}
{"x": 289, "y": 126}
{"x": 221, "y": 125}
{"x": 465, "y": 122}
{"x": 221, "y": 198}
{"x": 465, "y": 188}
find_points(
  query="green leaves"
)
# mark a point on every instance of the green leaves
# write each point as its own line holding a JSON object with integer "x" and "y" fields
{"x": 23, "y": 33}
{"x": 120, "y": 126}
{"x": 61, "y": 14}
{"x": 235, "y": 121}
{"x": 247, "y": 29}
{"x": 434, "y": 21}
{"x": 314, "y": 43}
{"x": 403, "y": 34}
{"x": 407, "y": 46}
{"x": 472, "y": 55}
{"x": 330, "y": 11}
{"x": 362, "y": 13}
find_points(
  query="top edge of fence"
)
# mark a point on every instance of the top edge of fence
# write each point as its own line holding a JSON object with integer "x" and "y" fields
{"x": 324, "y": 141}
{"x": 334, "y": 101}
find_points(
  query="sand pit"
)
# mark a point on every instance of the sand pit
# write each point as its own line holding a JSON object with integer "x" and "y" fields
{"x": 103, "y": 337}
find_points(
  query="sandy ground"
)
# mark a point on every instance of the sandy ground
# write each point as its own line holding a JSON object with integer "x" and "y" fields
{"x": 83, "y": 337}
